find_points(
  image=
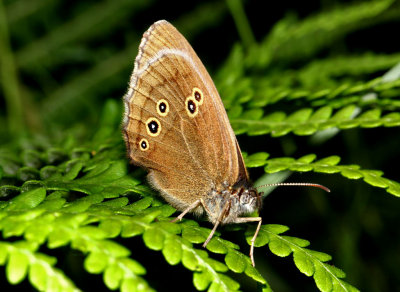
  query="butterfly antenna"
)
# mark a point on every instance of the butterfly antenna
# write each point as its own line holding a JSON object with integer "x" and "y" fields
{"x": 296, "y": 184}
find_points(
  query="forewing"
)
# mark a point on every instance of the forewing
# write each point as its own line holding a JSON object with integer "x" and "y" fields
{"x": 191, "y": 153}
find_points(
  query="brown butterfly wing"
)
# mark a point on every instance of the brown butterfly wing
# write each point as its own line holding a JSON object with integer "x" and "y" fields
{"x": 189, "y": 154}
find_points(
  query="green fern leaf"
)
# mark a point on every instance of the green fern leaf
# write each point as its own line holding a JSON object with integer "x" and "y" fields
{"x": 96, "y": 262}
{"x": 304, "y": 263}
{"x": 17, "y": 266}
{"x": 22, "y": 260}
{"x": 27, "y": 200}
{"x": 309, "y": 262}
{"x": 326, "y": 165}
{"x": 236, "y": 262}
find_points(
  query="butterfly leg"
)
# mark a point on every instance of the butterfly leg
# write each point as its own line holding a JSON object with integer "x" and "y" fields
{"x": 187, "y": 210}
{"x": 219, "y": 219}
{"x": 251, "y": 219}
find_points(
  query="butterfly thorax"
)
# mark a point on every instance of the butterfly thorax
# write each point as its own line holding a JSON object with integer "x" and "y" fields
{"x": 233, "y": 202}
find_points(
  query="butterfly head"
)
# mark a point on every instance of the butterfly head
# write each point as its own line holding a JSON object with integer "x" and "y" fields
{"x": 232, "y": 203}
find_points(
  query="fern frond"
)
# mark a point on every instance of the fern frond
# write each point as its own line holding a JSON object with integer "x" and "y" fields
{"x": 324, "y": 165}
{"x": 306, "y": 121}
{"x": 235, "y": 260}
{"x": 59, "y": 223}
{"x": 22, "y": 259}
{"x": 291, "y": 40}
{"x": 164, "y": 236}
{"x": 207, "y": 272}
{"x": 321, "y": 75}
{"x": 71, "y": 225}
{"x": 309, "y": 262}
{"x": 332, "y": 71}
{"x": 337, "y": 96}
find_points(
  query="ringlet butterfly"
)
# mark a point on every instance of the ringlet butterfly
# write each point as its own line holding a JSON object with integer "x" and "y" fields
{"x": 176, "y": 127}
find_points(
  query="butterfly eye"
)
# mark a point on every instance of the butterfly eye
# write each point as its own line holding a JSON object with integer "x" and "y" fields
{"x": 191, "y": 107}
{"x": 153, "y": 127}
{"x": 198, "y": 95}
{"x": 162, "y": 107}
{"x": 144, "y": 145}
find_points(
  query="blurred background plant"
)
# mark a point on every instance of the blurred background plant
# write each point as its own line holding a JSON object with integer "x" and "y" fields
{"x": 296, "y": 77}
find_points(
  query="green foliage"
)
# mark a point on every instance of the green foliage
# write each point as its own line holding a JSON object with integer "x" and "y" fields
{"x": 42, "y": 213}
{"x": 306, "y": 121}
{"x": 325, "y": 165}
{"x": 309, "y": 262}
{"x": 89, "y": 223}
{"x": 66, "y": 184}
{"x": 21, "y": 260}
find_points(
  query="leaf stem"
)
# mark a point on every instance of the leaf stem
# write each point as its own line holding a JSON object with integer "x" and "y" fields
{"x": 8, "y": 73}
{"x": 241, "y": 22}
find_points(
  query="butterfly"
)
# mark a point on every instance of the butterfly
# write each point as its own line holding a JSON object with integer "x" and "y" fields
{"x": 176, "y": 127}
